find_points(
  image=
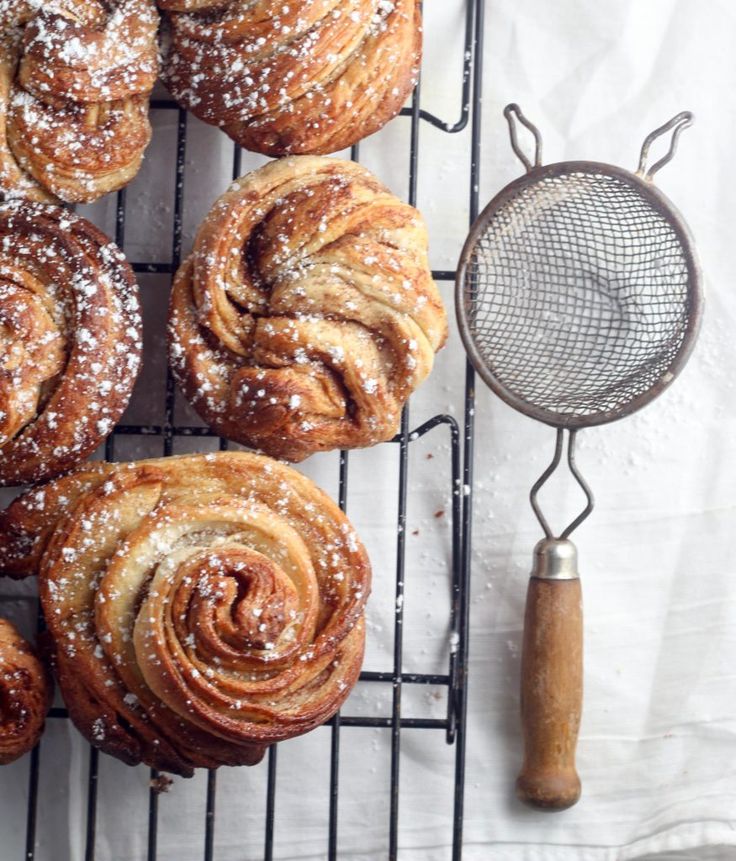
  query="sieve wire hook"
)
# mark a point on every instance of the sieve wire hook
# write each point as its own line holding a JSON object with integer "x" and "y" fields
{"x": 676, "y": 125}
{"x": 513, "y": 114}
{"x": 546, "y": 475}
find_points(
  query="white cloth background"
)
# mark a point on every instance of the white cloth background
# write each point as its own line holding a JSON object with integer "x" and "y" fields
{"x": 657, "y": 750}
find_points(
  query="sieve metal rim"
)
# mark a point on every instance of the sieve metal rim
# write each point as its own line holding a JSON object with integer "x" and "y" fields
{"x": 662, "y": 205}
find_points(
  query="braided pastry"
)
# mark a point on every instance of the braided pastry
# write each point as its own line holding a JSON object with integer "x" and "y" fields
{"x": 299, "y": 77}
{"x": 70, "y": 339}
{"x": 75, "y": 77}
{"x": 25, "y": 695}
{"x": 201, "y": 607}
{"x": 306, "y": 314}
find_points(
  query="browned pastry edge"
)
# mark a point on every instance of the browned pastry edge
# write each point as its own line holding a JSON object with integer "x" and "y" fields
{"x": 109, "y": 142}
{"x": 25, "y": 694}
{"x": 27, "y": 524}
{"x": 14, "y": 181}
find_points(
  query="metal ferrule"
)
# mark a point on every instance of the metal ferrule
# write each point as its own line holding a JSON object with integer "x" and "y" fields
{"x": 555, "y": 559}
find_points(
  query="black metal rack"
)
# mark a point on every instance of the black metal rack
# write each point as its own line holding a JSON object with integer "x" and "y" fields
{"x": 452, "y": 728}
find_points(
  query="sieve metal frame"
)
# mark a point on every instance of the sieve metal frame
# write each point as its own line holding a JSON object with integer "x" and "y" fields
{"x": 660, "y": 204}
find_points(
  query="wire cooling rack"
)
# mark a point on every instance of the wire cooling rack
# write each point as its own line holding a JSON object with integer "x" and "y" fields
{"x": 451, "y": 729}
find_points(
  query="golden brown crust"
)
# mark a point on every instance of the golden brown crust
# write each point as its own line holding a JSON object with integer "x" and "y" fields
{"x": 75, "y": 76}
{"x": 70, "y": 339}
{"x": 288, "y": 78}
{"x": 306, "y": 314}
{"x": 25, "y": 694}
{"x": 27, "y": 524}
{"x": 14, "y": 181}
{"x": 200, "y": 607}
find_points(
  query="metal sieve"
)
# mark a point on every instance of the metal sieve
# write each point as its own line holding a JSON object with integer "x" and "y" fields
{"x": 578, "y": 301}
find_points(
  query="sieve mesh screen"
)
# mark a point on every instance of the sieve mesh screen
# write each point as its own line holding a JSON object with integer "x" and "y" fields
{"x": 576, "y": 294}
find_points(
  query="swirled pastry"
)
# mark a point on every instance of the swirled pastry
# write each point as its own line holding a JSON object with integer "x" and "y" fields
{"x": 75, "y": 77}
{"x": 201, "y": 607}
{"x": 299, "y": 77}
{"x": 70, "y": 339}
{"x": 306, "y": 314}
{"x": 25, "y": 694}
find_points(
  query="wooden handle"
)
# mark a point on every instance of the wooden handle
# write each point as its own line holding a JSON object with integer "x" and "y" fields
{"x": 551, "y": 693}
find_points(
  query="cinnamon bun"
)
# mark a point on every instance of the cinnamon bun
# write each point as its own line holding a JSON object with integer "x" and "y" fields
{"x": 306, "y": 314}
{"x": 200, "y": 607}
{"x": 70, "y": 339}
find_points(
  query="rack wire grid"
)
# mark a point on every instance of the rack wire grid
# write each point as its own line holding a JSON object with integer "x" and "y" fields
{"x": 452, "y": 729}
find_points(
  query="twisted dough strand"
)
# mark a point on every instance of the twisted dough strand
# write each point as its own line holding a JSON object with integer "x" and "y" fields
{"x": 25, "y": 695}
{"x": 200, "y": 607}
{"x": 75, "y": 76}
{"x": 70, "y": 339}
{"x": 307, "y": 313}
{"x": 283, "y": 78}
